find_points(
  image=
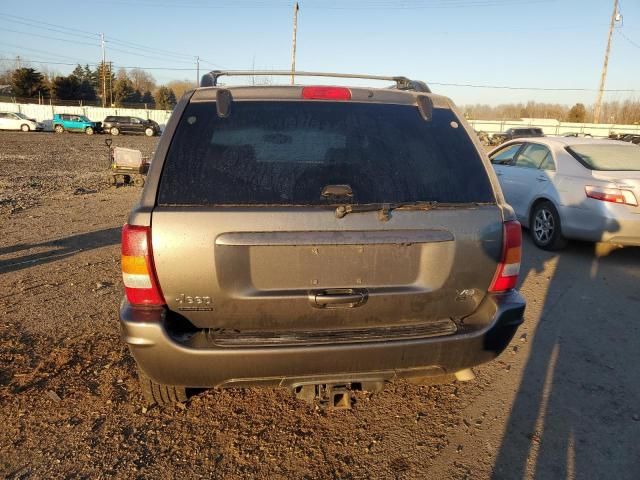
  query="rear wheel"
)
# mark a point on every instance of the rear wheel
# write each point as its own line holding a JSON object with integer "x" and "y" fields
{"x": 546, "y": 230}
{"x": 138, "y": 181}
{"x": 114, "y": 131}
{"x": 89, "y": 130}
{"x": 25, "y": 128}
{"x": 58, "y": 129}
{"x": 149, "y": 132}
{"x": 156, "y": 393}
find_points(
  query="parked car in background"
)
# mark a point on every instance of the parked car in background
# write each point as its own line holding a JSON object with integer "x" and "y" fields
{"x": 66, "y": 122}
{"x": 324, "y": 239}
{"x": 499, "y": 138}
{"x": 19, "y": 121}
{"x": 115, "y": 125}
{"x": 572, "y": 188}
{"x": 631, "y": 138}
{"x": 577, "y": 135}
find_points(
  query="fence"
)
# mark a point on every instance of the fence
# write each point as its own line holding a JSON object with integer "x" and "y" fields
{"x": 554, "y": 127}
{"x": 44, "y": 113}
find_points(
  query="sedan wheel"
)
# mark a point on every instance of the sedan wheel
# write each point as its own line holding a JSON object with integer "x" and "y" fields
{"x": 149, "y": 132}
{"x": 545, "y": 227}
{"x": 89, "y": 131}
{"x": 24, "y": 128}
{"x": 58, "y": 129}
{"x": 114, "y": 131}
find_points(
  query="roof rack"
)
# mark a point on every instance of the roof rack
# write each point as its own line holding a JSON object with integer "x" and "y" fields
{"x": 402, "y": 83}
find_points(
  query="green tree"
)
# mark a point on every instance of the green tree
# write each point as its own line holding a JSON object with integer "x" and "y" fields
{"x": 87, "y": 91}
{"x": 66, "y": 88}
{"x": 27, "y": 83}
{"x": 165, "y": 98}
{"x": 123, "y": 91}
{"x": 577, "y": 113}
{"x": 147, "y": 98}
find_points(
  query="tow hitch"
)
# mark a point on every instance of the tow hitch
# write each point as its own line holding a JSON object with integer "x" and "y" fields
{"x": 335, "y": 395}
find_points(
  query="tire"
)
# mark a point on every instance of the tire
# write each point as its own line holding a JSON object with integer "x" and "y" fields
{"x": 155, "y": 393}
{"x": 25, "y": 128}
{"x": 138, "y": 181}
{"x": 58, "y": 129}
{"x": 149, "y": 132}
{"x": 114, "y": 131}
{"x": 545, "y": 227}
{"x": 88, "y": 130}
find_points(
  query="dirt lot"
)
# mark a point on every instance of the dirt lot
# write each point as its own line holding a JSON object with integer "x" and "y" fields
{"x": 562, "y": 402}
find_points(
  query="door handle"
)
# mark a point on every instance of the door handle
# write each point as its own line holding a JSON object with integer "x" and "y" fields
{"x": 338, "y": 298}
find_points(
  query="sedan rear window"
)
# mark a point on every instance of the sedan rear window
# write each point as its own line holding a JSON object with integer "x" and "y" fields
{"x": 613, "y": 157}
{"x": 285, "y": 153}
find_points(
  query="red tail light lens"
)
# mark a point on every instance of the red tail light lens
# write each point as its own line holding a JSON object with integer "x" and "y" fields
{"x": 506, "y": 276}
{"x": 614, "y": 195}
{"x": 326, "y": 93}
{"x": 138, "y": 273}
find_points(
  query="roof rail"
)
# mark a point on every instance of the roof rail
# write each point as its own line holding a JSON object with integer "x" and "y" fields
{"x": 402, "y": 83}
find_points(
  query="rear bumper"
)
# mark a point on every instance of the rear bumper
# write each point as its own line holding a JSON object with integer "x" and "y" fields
{"x": 602, "y": 222}
{"x": 169, "y": 361}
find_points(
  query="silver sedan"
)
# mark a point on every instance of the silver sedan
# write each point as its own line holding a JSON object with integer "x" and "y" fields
{"x": 572, "y": 188}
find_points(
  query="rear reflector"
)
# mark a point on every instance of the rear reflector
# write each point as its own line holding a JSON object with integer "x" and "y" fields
{"x": 506, "y": 276}
{"x": 138, "y": 274}
{"x": 326, "y": 93}
{"x": 614, "y": 195}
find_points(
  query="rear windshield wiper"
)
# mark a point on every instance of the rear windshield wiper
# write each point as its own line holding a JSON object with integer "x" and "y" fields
{"x": 384, "y": 209}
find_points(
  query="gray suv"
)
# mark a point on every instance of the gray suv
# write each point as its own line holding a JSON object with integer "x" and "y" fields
{"x": 323, "y": 239}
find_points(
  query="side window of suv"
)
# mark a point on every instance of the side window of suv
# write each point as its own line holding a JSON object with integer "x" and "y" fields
{"x": 506, "y": 155}
{"x": 533, "y": 156}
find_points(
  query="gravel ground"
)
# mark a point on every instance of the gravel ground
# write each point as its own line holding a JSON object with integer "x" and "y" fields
{"x": 562, "y": 402}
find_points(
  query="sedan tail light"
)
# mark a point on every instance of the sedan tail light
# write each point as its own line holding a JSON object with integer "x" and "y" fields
{"x": 614, "y": 195}
{"x": 506, "y": 276}
{"x": 138, "y": 273}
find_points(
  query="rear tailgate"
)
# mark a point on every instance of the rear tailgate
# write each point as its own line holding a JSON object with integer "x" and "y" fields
{"x": 243, "y": 238}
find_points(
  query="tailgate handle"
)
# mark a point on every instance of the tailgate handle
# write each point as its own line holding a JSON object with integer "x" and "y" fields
{"x": 338, "y": 298}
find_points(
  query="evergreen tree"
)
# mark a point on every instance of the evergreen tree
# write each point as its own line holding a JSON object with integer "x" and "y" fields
{"x": 27, "y": 83}
{"x": 147, "y": 98}
{"x": 66, "y": 88}
{"x": 123, "y": 91}
{"x": 165, "y": 98}
{"x": 577, "y": 114}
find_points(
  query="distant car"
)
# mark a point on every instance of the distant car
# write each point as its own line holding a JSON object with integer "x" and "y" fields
{"x": 513, "y": 133}
{"x": 572, "y": 188}
{"x": 115, "y": 125}
{"x": 631, "y": 137}
{"x": 63, "y": 122}
{"x": 18, "y": 121}
{"x": 577, "y": 135}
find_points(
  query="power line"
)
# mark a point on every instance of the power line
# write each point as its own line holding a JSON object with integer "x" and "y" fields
{"x": 443, "y": 84}
{"x": 628, "y": 39}
{"x": 75, "y": 42}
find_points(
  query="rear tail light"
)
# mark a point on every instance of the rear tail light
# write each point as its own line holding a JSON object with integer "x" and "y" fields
{"x": 614, "y": 195}
{"x": 326, "y": 93}
{"x": 138, "y": 274}
{"x": 506, "y": 276}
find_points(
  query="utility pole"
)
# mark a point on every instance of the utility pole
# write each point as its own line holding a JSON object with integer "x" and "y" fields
{"x": 110, "y": 84}
{"x": 603, "y": 77}
{"x": 18, "y": 62}
{"x": 104, "y": 73}
{"x": 197, "y": 71}
{"x": 293, "y": 45}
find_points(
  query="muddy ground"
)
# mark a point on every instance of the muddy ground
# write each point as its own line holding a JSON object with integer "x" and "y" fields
{"x": 563, "y": 401}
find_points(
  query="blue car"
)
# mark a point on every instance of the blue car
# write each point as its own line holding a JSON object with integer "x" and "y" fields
{"x": 63, "y": 122}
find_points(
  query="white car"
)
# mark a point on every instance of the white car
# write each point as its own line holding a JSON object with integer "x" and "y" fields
{"x": 572, "y": 188}
{"x": 18, "y": 121}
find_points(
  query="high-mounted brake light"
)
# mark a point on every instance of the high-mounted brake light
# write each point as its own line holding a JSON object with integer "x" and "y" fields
{"x": 614, "y": 195}
{"x": 326, "y": 93}
{"x": 138, "y": 273}
{"x": 506, "y": 276}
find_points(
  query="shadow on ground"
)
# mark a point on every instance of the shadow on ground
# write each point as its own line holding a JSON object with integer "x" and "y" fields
{"x": 576, "y": 411}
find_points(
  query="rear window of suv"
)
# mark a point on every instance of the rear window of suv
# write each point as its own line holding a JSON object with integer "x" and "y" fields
{"x": 285, "y": 153}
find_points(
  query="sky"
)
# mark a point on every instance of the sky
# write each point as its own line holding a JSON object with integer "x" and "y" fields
{"x": 542, "y": 44}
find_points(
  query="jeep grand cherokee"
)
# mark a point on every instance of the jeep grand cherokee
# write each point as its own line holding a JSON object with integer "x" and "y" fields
{"x": 317, "y": 238}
